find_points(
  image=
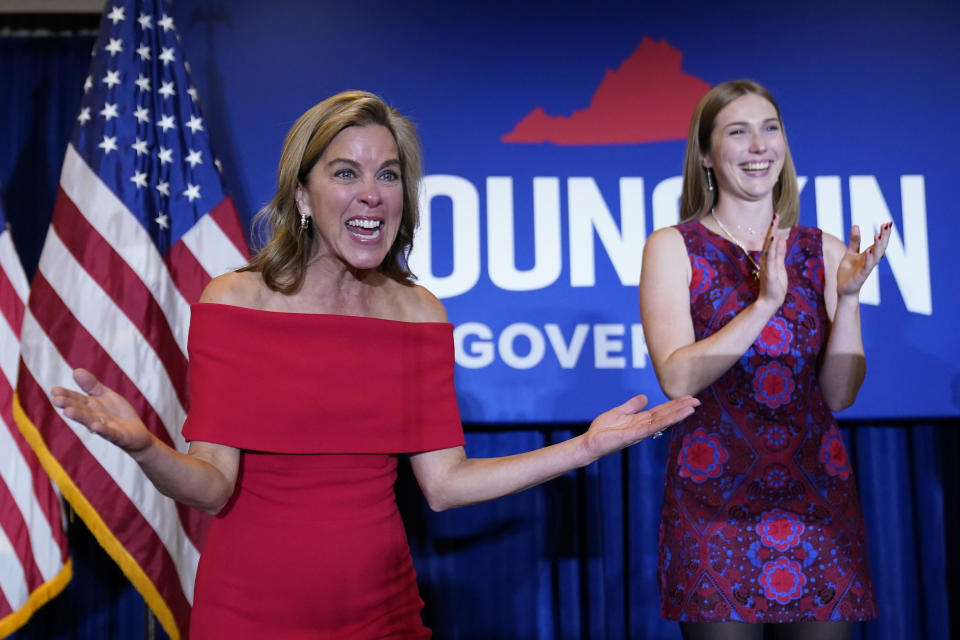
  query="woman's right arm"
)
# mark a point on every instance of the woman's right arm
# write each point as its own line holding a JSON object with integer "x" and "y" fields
{"x": 683, "y": 364}
{"x": 203, "y": 478}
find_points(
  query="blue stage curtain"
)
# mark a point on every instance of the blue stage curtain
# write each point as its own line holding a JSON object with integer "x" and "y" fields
{"x": 901, "y": 474}
{"x": 577, "y": 558}
{"x": 573, "y": 559}
{"x": 41, "y": 82}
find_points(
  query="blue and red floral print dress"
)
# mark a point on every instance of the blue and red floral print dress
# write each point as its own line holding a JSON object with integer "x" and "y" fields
{"x": 761, "y": 519}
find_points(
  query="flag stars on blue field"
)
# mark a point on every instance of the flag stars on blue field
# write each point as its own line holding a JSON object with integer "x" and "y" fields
{"x": 117, "y": 14}
{"x": 136, "y": 103}
{"x": 115, "y": 46}
{"x": 109, "y": 144}
{"x": 109, "y": 111}
{"x": 112, "y": 79}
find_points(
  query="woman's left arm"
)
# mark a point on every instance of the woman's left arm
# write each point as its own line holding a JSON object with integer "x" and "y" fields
{"x": 844, "y": 366}
{"x": 448, "y": 478}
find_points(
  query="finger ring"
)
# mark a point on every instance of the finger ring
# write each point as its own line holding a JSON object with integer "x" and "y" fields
{"x": 102, "y": 421}
{"x": 657, "y": 434}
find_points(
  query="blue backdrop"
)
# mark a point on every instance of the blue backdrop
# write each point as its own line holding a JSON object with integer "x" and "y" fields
{"x": 867, "y": 93}
{"x": 864, "y": 91}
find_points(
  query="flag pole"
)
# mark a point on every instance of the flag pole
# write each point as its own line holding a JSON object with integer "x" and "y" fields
{"x": 150, "y": 623}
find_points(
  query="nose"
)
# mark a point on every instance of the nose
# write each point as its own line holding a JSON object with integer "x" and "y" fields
{"x": 758, "y": 143}
{"x": 369, "y": 194}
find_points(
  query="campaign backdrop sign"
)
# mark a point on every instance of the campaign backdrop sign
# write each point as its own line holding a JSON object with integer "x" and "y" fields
{"x": 553, "y": 138}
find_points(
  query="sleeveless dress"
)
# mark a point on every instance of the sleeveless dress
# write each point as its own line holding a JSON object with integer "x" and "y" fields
{"x": 761, "y": 520}
{"x": 311, "y": 545}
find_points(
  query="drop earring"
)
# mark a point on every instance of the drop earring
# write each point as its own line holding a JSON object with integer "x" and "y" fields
{"x": 304, "y": 220}
{"x": 709, "y": 180}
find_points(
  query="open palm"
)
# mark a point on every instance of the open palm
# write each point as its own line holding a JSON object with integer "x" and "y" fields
{"x": 627, "y": 424}
{"x": 103, "y": 411}
{"x": 855, "y": 265}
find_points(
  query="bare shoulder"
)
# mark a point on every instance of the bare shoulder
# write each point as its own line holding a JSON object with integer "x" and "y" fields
{"x": 667, "y": 240}
{"x": 833, "y": 249}
{"x": 832, "y": 243}
{"x": 238, "y": 289}
{"x": 419, "y": 305}
{"x": 665, "y": 248}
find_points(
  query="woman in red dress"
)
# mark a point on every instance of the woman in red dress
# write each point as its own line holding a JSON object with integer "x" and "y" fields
{"x": 311, "y": 369}
{"x": 758, "y": 317}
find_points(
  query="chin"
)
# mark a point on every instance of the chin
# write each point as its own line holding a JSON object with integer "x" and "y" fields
{"x": 366, "y": 263}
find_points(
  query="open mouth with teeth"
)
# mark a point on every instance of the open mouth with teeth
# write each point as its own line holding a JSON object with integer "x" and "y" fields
{"x": 756, "y": 167}
{"x": 366, "y": 228}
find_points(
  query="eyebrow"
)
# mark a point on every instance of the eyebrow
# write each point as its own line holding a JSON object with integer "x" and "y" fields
{"x": 741, "y": 123}
{"x": 353, "y": 163}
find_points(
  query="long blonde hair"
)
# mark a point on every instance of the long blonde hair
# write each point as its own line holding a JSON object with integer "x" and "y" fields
{"x": 285, "y": 247}
{"x": 697, "y": 200}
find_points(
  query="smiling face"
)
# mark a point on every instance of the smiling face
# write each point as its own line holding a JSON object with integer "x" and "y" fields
{"x": 747, "y": 149}
{"x": 354, "y": 193}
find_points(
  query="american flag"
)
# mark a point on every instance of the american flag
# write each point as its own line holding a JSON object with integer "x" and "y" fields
{"x": 34, "y": 565}
{"x": 141, "y": 224}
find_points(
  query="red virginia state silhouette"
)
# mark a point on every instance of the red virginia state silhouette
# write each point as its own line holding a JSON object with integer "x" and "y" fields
{"x": 648, "y": 99}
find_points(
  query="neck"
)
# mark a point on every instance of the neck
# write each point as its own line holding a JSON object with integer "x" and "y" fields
{"x": 331, "y": 286}
{"x": 747, "y": 221}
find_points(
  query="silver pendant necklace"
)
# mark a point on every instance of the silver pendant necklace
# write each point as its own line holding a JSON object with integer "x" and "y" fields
{"x": 755, "y": 271}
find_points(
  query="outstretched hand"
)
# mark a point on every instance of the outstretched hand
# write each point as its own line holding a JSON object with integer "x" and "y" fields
{"x": 856, "y": 266}
{"x": 628, "y": 424}
{"x": 103, "y": 411}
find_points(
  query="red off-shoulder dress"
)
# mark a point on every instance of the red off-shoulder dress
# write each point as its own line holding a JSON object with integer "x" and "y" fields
{"x": 311, "y": 545}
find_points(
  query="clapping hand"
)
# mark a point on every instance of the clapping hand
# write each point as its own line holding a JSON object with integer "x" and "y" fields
{"x": 773, "y": 275}
{"x": 855, "y": 265}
